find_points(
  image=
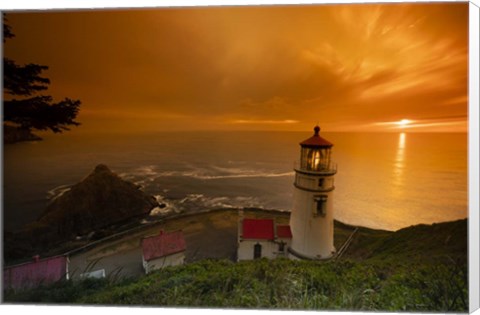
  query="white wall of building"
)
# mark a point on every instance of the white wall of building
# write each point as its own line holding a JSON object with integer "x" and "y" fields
{"x": 246, "y": 249}
{"x": 169, "y": 260}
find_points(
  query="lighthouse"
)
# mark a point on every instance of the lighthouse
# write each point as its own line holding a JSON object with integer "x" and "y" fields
{"x": 311, "y": 220}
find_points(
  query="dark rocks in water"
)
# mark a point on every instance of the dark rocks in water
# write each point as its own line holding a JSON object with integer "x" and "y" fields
{"x": 13, "y": 134}
{"x": 100, "y": 200}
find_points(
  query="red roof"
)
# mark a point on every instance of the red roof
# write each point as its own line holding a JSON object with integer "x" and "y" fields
{"x": 33, "y": 274}
{"x": 316, "y": 140}
{"x": 283, "y": 231}
{"x": 163, "y": 245}
{"x": 258, "y": 229}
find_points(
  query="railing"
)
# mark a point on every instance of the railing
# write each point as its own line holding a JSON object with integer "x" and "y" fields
{"x": 345, "y": 245}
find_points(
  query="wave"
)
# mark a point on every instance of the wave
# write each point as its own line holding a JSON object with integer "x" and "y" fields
{"x": 145, "y": 174}
{"x": 140, "y": 176}
{"x": 196, "y": 202}
{"x": 246, "y": 175}
{"x": 215, "y": 172}
{"x": 168, "y": 207}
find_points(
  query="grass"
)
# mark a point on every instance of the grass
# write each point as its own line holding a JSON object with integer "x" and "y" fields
{"x": 421, "y": 268}
{"x": 273, "y": 284}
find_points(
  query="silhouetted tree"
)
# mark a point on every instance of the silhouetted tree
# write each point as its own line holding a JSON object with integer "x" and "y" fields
{"x": 27, "y": 109}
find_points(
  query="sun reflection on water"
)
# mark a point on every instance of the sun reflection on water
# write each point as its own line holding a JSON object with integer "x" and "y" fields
{"x": 399, "y": 164}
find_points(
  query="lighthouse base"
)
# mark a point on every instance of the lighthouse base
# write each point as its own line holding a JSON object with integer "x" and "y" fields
{"x": 293, "y": 254}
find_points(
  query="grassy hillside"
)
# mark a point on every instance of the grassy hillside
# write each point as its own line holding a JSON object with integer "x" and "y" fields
{"x": 421, "y": 268}
{"x": 419, "y": 243}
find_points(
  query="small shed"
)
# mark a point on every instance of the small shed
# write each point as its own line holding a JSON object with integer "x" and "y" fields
{"x": 165, "y": 249}
{"x": 259, "y": 238}
{"x": 35, "y": 273}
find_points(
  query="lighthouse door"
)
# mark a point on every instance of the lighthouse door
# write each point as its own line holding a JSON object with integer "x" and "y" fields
{"x": 257, "y": 251}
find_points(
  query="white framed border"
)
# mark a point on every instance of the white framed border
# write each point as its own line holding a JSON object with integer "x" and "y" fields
{"x": 111, "y": 4}
{"x": 473, "y": 137}
{"x": 473, "y": 158}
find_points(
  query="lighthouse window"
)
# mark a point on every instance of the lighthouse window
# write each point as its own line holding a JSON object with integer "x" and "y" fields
{"x": 315, "y": 159}
{"x": 321, "y": 181}
{"x": 321, "y": 206}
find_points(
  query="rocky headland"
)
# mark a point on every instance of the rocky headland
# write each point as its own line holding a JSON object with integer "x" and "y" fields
{"x": 90, "y": 209}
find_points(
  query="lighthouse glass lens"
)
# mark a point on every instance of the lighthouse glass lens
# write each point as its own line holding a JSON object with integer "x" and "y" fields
{"x": 315, "y": 159}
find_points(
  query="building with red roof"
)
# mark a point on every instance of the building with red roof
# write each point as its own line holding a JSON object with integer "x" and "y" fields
{"x": 283, "y": 231}
{"x": 35, "y": 273}
{"x": 259, "y": 238}
{"x": 165, "y": 249}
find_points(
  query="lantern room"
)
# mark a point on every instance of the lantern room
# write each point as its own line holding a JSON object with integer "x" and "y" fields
{"x": 315, "y": 153}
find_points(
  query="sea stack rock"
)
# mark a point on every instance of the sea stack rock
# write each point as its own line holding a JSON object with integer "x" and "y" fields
{"x": 100, "y": 200}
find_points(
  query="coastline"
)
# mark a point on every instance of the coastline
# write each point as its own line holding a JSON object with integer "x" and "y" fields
{"x": 211, "y": 233}
{"x": 163, "y": 168}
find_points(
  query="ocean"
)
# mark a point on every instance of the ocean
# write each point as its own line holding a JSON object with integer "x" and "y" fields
{"x": 384, "y": 180}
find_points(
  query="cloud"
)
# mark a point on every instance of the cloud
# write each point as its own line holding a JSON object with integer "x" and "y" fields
{"x": 240, "y": 121}
{"x": 458, "y": 124}
{"x": 340, "y": 65}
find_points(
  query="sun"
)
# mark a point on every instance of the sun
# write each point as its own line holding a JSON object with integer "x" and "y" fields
{"x": 404, "y": 122}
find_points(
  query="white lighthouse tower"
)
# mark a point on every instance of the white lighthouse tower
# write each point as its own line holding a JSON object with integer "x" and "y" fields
{"x": 311, "y": 220}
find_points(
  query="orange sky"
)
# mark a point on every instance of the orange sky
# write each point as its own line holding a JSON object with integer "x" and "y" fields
{"x": 349, "y": 67}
